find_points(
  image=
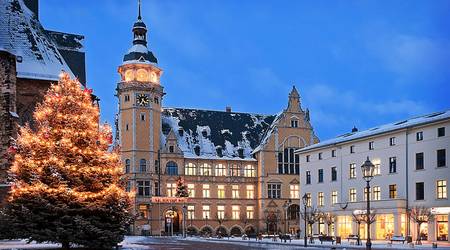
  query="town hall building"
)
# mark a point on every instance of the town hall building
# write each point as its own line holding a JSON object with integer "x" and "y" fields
{"x": 240, "y": 168}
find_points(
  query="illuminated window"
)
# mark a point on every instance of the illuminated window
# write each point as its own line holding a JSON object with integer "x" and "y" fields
{"x": 191, "y": 212}
{"x": 143, "y": 188}
{"x": 221, "y": 170}
{"x": 234, "y": 170}
{"x": 142, "y": 75}
{"x": 235, "y": 212}
{"x": 189, "y": 169}
{"x": 441, "y": 189}
{"x": 294, "y": 191}
{"x": 143, "y": 211}
{"x": 250, "y": 212}
{"x": 235, "y": 191}
{"x": 308, "y": 200}
{"x": 250, "y": 192}
{"x": 220, "y": 212}
{"x": 191, "y": 189}
{"x": 220, "y": 191}
{"x": 205, "y": 169}
{"x": 171, "y": 189}
{"x": 334, "y": 197}
{"x": 129, "y": 75}
{"x": 352, "y": 195}
{"x": 365, "y": 193}
{"x": 205, "y": 190}
{"x": 393, "y": 191}
{"x": 352, "y": 171}
{"x": 376, "y": 193}
{"x": 320, "y": 199}
{"x": 206, "y": 212}
{"x": 249, "y": 171}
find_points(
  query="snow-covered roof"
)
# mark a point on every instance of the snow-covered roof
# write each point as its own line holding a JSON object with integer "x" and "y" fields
{"x": 235, "y": 134}
{"x": 38, "y": 55}
{"x": 412, "y": 122}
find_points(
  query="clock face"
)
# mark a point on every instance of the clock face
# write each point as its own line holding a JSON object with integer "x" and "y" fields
{"x": 142, "y": 99}
{"x": 142, "y": 75}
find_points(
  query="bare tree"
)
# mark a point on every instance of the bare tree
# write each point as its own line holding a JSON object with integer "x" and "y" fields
{"x": 312, "y": 216}
{"x": 329, "y": 219}
{"x": 420, "y": 215}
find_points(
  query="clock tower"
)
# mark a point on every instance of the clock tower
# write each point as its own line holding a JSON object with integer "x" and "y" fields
{"x": 139, "y": 119}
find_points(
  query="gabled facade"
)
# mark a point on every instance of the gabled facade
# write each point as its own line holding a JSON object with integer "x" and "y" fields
{"x": 239, "y": 168}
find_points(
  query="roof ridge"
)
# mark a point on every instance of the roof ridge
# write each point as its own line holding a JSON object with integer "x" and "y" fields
{"x": 222, "y": 111}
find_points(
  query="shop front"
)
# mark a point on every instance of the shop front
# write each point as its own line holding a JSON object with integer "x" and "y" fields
{"x": 441, "y": 215}
{"x": 344, "y": 226}
{"x": 384, "y": 226}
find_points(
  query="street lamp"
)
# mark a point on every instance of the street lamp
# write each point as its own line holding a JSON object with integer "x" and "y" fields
{"x": 305, "y": 203}
{"x": 367, "y": 170}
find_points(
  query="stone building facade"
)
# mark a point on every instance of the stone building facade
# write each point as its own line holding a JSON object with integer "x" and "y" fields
{"x": 239, "y": 168}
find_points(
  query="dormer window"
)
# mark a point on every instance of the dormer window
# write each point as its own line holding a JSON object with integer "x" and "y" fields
{"x": 294, "y": 123}
{"x": 197, "y": 150}
{"x": 171, "y": 149}
{"x": 241, "y": 153}
{"x": 219, "y": 151}
{"x": 180, "y": 131}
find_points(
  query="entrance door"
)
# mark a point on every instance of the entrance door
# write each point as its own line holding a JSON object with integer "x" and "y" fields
{"x": 172, "y": 222}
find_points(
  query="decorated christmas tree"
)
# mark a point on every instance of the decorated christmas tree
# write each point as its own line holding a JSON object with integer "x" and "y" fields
{"x": 65, "y": 182}
{"x": 182, "y": 190}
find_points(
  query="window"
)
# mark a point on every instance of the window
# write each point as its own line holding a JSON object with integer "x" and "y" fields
{"x": 320, "y": 156}
{"x": 126, "y": 127}
{"x": 220, "y": 212}
{"x": 419, "y": 161}
{"x": 249, "y": 171}
{"x": 156, "y": 100}
{"x": 294, "y": 191}
{"x": 288, "y": 162}
{"x": 320, "y": 199}
{"x": 250, "y": 212}
{"x": 143, "y": 188}
{"x": 191, "y": 189}
{"x": 205, "y": 190}
{"x": 127, "y": 98}
{"x": 127, "y": 166}
{"x": 274, "y": 191}
{"x": 250, "y": 192}
{"x": 441, "y": 189}
{"x": 393, "y": 191}
{"x": 352, "y": 171}
{"x": 371, "y": 145}
{"x": 206, "y": 212}
{"x": 420, "y": 194}
{"x": 308, "y": 200}
{"x": 365, "y": 193}
{"x": 308, "y": 177}
{"x": 171, "y": 189}
{"x": 128, "y": 187}
{"x": 142, "y": 166}
{"x": 392, "y": 165}
{"x": 376, "y": 193}
{"x": 221, "y": 170}
{"x": 171, "y": 168}
{"x": 377, "y": 169}
{"x": 419, "y": 136}
{"x": 142, "y": 116}
{"x": 392, "y": 141}
{"x": 171, "y": 149}
{"x": 333, "y": 174}
{"x": 157, "y": 189}
{"x": 191, "y": 212}
{"x": 294, "y": 123}
{"x": 352, "y": 195}
{"x": 441, "y": 132}
{"x": 234, "y": 170}
{"x": 205, "y": 169}
{"x": 441, "y": 158}
{"x": 220, "y": 191}
{"x": 235, "y": 191}
{"x": 235, "y": 212}
{"x": 333, "y": 153}
{"x": 307, "y": 158}
{"x": 334, "y": 197}
{"x": 143, "y": 211}
{"x": 352, "y": 149}
{"x": 189, "y": 169}
{"x": 320, "y": 173}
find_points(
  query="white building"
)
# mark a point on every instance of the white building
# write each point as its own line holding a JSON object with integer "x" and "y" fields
{"x": 412, "y": 170}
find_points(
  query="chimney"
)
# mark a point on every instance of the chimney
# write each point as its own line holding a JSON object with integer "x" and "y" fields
{"x": 228, "y": 109}
{"x": 354, "y": 129}
{"x": 33, "y": 5}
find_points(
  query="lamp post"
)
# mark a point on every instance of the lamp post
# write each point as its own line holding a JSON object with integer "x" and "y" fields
{"x": 367, "y": 170}
{"x": 305, "y": 203}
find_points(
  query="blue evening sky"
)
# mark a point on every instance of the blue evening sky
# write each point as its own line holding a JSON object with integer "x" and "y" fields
{"x": 359, "y": 63}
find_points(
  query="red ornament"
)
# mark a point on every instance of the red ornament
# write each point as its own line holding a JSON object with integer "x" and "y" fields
{"x": 12, "y": 150}
{"x": 87, "y": 90}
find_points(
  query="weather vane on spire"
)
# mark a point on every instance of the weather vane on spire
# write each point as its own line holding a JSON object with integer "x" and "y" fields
{"x": 139, "y": 9}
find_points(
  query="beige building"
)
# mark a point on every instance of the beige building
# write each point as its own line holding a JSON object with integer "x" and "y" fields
{"x": 411, "y": 170}
{"x": 240, "y": 168}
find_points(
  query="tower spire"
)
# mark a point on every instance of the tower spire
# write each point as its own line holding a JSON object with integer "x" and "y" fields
{"x": 139, "y": 9}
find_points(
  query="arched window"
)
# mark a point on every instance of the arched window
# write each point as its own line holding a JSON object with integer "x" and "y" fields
{"x": 221, "y": 170}
{"x": 189, "y": 169}
{"x": 205, "y": 169}
{"x": 288, "y": 162}
{"x": 171, "y": 168}
{"x": 234, "y": 170}
{"x": 249, "y": 171}
{"x": 127, "y": 166}
{"x": 293, "y": 212}
{"x": 142, "y": 166}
